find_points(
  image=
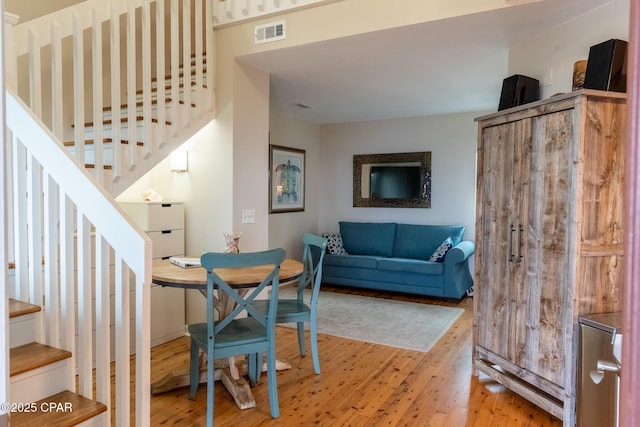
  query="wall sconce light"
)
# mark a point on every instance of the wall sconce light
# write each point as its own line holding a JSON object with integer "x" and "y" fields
{"x": 179, "y": 161}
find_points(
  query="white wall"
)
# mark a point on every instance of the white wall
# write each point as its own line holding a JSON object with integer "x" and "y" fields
{"x": 452, "y": 142}
{"x": 286, "y": 228}
{"x": 550, "y": 56}
{"x": 200, "y": 189}
{"x": 251, "y": 155}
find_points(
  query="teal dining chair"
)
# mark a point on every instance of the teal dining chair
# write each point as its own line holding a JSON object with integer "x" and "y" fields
{"x": 297, "y": 310}
{"x": 233, "y": 334}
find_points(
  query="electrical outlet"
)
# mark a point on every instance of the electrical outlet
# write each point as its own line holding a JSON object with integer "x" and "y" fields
{"x": 248, "y": 216}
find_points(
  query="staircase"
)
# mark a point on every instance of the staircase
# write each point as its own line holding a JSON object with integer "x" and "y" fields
{"x": 87, "y": 115}
{"x": 39, "y": 370}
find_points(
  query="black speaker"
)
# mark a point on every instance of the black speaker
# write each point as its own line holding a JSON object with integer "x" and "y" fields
{"x": 518, "y": 90}
{"x": 607, "y": 66}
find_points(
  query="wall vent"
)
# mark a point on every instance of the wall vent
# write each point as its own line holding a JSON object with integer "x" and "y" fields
{"x": 270, "y": 32}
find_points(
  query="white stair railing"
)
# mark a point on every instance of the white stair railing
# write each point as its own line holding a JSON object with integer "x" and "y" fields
{"x": 73, "y": 241}
{"x": 80, "y": 232}
{"x": 164, "y": 76}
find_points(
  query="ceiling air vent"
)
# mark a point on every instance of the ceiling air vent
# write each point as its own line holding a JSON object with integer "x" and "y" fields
{"x": 270, "y": 32}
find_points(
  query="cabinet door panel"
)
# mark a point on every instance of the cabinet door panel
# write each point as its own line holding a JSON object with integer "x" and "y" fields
{"x": 495, "y": 239}
{"x": 543, "y": 308}
{"x": 522, "y": 180}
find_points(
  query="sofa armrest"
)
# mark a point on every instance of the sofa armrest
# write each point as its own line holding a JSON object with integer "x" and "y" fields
{"x": 459, "y": 252}
{"x": 457, "y": 277}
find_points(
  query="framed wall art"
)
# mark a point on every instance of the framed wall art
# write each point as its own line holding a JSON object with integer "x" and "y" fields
{"x": 286, "y": 179}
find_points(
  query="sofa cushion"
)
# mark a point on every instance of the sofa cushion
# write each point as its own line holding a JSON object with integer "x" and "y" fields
{"x": 420, "y": 241}
{"x": 334, "y": 243}
{"x": 441, "y": 251}
{"x": 406, "y": 265}
{"x": 366, "y": 238}
{"x": 356, "y": 261}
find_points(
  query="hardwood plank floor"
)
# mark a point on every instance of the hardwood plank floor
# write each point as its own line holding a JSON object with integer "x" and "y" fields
{"x": 361, "y": 384}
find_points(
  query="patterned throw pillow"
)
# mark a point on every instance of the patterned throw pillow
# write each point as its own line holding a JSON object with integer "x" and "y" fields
{"x": 334, "y": 243}
{"x": 441, "y": 251}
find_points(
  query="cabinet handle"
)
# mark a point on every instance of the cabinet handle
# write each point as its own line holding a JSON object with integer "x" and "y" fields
{"x": 166, "y": 205}
{"x": 511, "y": 230}
{"x": 520, "y": 233}
{"x": 166, "y": 231}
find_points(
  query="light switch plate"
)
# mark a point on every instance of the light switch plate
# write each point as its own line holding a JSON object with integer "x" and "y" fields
{"x": 248, "y": 216}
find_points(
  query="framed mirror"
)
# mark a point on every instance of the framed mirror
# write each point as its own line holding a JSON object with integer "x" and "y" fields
{"x": 393, "y": 180}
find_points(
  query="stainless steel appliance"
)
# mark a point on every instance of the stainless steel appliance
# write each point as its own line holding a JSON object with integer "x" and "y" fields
{"x": 598, "y": 370}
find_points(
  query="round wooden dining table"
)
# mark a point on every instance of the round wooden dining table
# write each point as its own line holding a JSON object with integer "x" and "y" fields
{"x": 165, "y": 273}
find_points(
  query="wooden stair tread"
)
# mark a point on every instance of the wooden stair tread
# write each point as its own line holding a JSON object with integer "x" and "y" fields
{"x": 125, "y": 120}
{"x": 181, "y": 68}
{"x": 93, "y": 166}
{"x": 104, "y": 141}
{"x": 78, "y": 409}
{"x": 32, "y": 356}
{"x": 168, "y": 77}
{"x": 167, "y": 86}
{"x": 167, "y": 101}
{"x": 20, "y": 308}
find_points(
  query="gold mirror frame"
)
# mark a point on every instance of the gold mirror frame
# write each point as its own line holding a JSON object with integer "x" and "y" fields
{"x": 423, "y": 158}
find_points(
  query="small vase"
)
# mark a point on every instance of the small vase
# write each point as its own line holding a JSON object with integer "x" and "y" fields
{"x": 579, "y": 70}
{"x": 232, "y": 240}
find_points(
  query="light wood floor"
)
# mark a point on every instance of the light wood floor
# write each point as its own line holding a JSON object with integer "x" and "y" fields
{"x": 361, "y": 384}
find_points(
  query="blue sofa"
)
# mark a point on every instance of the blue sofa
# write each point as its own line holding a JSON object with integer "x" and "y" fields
{"x": 396, "y": 257}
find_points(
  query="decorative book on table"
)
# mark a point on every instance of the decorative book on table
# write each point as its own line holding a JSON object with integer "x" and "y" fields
{"x": 185, "y": 262}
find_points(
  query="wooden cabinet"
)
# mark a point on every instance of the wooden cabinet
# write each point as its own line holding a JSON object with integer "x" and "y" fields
{"x": 164, "y": 224}
{"x": 548, "y": 239}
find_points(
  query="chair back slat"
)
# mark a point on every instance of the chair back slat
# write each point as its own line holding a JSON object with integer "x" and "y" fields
{"x": 212, "y": 261}
{"x": 314, "y": 250}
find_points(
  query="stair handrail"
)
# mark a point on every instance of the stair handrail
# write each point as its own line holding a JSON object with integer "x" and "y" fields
{"x": 114, "y": 232}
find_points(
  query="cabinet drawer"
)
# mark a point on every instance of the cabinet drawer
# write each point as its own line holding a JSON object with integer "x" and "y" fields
{"x": 156, "y": 216}
{"x": 166, "y": 216}
{"x": 167, "y": 243}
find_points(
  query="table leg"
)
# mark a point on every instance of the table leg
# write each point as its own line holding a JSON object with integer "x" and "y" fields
{"x": 182, "y": 378}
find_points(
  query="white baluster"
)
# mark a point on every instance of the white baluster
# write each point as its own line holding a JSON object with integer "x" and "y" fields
{"x": 57, "y": 94}
{"x": 145, "y": 30}
{"x": 160, "y": 73}
{"x": 51, "y": 272}
{"x": 186, "y": 62}
{"x": 199, "y": 58}
{"x": 132, "y": 128}
{"x": 98, "y": 104}
{"x": 116, "y": 85}
{"x": 175, "y": 67}
{"x": 85, "y": 313}
{"x": 35, "y": 83}
{"x": 78, "y": 88}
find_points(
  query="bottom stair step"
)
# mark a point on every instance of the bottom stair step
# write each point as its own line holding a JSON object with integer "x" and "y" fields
{"x": 61, "y": 410}
{"x": 38, "y": 371}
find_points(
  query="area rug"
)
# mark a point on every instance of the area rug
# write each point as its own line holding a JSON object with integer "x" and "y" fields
{"x": 393, "y": 323}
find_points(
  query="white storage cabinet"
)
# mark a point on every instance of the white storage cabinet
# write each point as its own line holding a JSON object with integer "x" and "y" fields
{"x": 164, "y": 224}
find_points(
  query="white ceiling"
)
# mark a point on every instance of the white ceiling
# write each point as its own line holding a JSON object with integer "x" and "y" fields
{"x": 440, "y": 67}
